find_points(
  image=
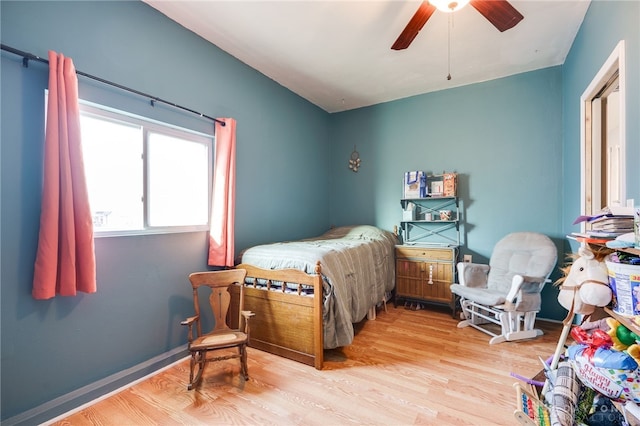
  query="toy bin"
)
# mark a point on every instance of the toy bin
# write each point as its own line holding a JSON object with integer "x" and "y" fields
{"x": 624, "y": 281}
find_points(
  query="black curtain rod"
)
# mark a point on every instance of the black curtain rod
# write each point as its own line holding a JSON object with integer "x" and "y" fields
{"x": 26, "y": 57}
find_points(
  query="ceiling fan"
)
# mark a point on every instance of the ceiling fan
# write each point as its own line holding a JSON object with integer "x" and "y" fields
{"x": 499, "y": 12}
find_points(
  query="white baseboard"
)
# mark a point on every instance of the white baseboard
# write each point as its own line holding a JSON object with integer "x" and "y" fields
{"x": 77, "y": 400}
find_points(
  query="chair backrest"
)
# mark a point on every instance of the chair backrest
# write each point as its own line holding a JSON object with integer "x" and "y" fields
{"x": 525, "y": 253}
{"x": 220, "y": 283}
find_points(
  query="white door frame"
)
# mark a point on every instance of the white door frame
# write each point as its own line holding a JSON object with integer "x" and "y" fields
{"x": 615, "y": 62}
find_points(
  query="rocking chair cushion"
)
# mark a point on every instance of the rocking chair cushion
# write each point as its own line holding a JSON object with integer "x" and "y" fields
{"x": 483, "y": 296}
{"x": 524, "y": 253}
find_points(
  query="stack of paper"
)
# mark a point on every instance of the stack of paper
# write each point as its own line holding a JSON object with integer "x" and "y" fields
{"x": 617, "y": 225}
{"x": 606, "y": 225}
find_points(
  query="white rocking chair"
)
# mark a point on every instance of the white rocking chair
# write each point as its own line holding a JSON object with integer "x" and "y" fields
{"x": 507, "y": 291}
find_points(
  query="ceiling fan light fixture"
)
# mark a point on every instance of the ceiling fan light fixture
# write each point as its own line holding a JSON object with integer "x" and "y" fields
{"x": 449, "y": 5}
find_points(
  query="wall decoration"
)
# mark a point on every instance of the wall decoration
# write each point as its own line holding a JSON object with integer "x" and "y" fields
{"x": 354, "y": 161}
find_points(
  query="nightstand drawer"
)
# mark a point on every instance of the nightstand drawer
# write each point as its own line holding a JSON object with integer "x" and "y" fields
{"x": 425, "y": 253}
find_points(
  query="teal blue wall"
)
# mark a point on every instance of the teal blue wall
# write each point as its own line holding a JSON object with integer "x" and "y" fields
{"x": 514, "y": 141}
{"x": 50, "y": 348}
{"x": 502, "y": 137}
{"x": 483, "y": 132}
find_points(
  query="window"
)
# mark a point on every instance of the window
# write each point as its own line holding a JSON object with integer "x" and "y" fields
{"x": 144, "y": 176}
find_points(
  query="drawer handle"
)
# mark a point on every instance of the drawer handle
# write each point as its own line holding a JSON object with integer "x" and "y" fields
{"x": 430, "y": 275}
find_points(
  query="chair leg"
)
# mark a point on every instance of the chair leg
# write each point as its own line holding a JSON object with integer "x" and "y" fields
{"x": 517, "y": 326}
{"x": 529, "y": 320}
{"x": 244, "y": 370}
{"x": 198, "y": 360}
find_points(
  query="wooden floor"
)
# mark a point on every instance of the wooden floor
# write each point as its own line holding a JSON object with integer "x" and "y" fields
{"x": 406, "y": 367}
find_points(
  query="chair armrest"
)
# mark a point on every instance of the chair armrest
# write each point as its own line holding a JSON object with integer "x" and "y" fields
{"x": 524, "y": 294}
{"x": 516, "y": 285}
{"x": 246, "y": 315}
{"x": 189, "y": 322}
{"x": 473, "y": 274}
{"x": 534, "y": 284}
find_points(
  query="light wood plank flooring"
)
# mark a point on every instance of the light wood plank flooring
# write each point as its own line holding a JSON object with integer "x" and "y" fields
{"x": 406, "y": 367}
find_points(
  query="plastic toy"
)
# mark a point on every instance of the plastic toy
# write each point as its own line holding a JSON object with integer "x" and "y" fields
{"x": 530, "y": 410}
{"x": 621, "y": 336}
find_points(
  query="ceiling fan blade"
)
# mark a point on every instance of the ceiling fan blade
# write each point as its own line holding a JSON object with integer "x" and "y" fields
{"x": 414, "y": 26}
{"x": 499, "y": 12}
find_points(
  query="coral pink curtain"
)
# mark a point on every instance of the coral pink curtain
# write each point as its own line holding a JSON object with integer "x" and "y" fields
{"x": 221, "y": 236}
{"x": 65, "y": 261}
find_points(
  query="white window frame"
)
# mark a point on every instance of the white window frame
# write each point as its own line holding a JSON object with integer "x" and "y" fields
{"x": 155, "y": 126}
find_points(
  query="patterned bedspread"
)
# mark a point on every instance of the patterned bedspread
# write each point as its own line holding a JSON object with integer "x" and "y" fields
{"x": 357, "y": 267}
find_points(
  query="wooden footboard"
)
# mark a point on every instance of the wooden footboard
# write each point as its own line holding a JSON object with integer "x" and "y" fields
{"x": 287, "y": 323}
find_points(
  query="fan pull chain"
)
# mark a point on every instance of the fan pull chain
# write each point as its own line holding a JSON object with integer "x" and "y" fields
{"x": 449, "y": 46}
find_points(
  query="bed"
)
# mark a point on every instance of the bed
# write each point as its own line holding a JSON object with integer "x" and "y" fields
{"x": 307, "y": 294}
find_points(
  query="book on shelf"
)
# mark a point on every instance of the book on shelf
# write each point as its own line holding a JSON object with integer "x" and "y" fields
{"x": 620, "y": 225}
{"x": 614, "y": 224}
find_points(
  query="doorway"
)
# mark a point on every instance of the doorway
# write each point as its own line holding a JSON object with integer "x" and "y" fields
{"x": 602, "y": 150}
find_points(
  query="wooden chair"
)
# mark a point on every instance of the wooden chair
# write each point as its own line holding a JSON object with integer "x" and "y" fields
{"x": 228, "y": 331}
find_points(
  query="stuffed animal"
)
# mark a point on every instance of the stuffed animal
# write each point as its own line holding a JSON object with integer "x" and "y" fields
{"x": 585, "y": 284}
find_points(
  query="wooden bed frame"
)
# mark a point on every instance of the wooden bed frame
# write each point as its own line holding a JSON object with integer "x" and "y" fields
{"x": 287, "y": 324}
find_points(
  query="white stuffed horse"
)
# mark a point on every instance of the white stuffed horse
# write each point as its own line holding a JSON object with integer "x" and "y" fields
{"x": 586, "y": 285}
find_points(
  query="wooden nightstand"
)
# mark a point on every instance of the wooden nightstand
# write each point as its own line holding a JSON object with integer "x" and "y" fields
{"x": 424, "y": 273}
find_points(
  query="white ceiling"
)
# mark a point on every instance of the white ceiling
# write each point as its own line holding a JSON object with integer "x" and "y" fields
{"x": 337, "y": 54}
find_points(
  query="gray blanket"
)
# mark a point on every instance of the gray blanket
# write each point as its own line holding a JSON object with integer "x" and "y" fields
{"x": 357, "y": 267}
